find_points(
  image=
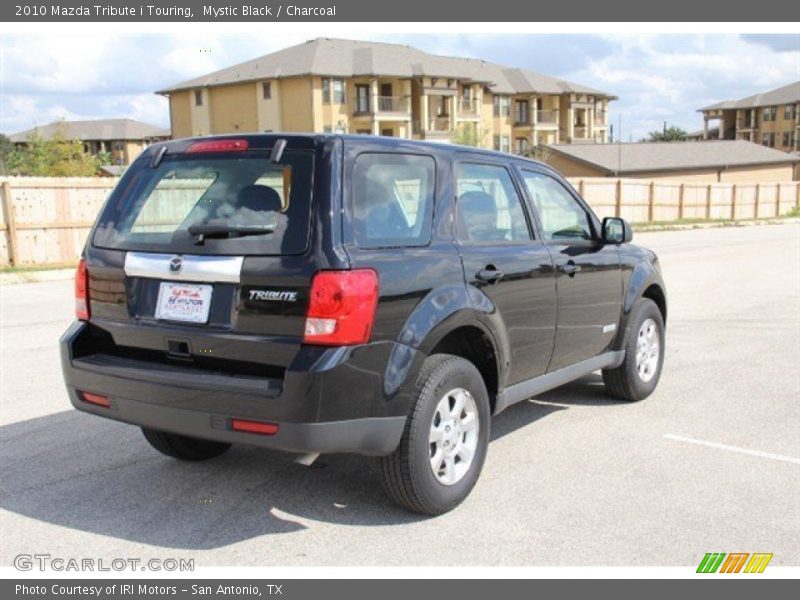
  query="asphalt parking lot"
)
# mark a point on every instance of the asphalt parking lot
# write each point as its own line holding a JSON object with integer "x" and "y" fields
{"x": 710, "y": 462}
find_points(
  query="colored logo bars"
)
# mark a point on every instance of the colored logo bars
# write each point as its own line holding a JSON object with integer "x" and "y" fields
{"x": 714, "y": 562}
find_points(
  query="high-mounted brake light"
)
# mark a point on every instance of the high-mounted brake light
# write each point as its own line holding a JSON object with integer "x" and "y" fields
{"x": 82, "y": 291}
{"x": 254, "y": 427}
{"x": 218, "y": 146}
{"x": 341, "y": 309}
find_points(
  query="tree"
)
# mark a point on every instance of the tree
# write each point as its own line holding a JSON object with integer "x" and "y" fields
{"x": 6, "y": 150}
{"x": 469, "y": 134}
{"x": 672, "y": 134}
{"x": 55, "y": 157}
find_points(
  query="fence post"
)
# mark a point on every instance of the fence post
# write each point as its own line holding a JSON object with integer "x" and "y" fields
{"x": 11, "y": 223}
{"x": 581, "y": 188}
{"x": 733, "y": 202}
{"x": 618, "y": 204}
{"x": 681, "y": 192}
{"x": 757, "y": 200}
{"x": 797, "y": 194}
{"x": 708, "y": 201}
{"x": 778, "y": 200}
{"x": 651, "y": 201}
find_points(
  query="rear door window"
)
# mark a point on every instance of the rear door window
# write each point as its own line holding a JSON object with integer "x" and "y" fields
{"x": 392, "y": 200}
{"x": 488, "y": 208}
{"x": 265, "y": 208}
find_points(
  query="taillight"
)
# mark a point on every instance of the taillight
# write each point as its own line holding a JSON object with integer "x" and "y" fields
{"x": 254, "y": 427}
{"x": 341, "y": 308}
{"x": 96, "y": 399}
{"x": 82, "y": 291}
{"x": 218, "y": 146}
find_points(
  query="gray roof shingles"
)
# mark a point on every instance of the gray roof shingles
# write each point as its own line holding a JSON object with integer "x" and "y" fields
{"x": 97, "y": 129}
{"x": 787, "y": 94}
{"x": 642, "y": 157}
{"x": 352, "y": 58}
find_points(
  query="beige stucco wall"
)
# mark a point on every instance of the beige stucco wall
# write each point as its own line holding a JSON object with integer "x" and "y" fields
{"x": 201, "y": 115}
{"x": 233, "y": 108}
{"x": 269, "y": 110}
{"x": 296, "y": 104}
{"x": 180, "y": 114}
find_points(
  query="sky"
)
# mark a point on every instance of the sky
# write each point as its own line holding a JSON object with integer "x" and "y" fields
{"x": 657, "y": 78}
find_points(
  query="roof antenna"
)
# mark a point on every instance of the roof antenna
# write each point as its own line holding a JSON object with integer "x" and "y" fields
{"x": 277, "y": 151}
{"x": 155, "y": 160}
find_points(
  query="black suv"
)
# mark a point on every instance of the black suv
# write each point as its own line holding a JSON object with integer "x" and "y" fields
{"x": 321, "y": 294}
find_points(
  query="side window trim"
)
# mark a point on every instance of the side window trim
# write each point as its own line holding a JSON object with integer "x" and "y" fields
{"x": 590, "y": 216}
{"x": 466, "y": 159}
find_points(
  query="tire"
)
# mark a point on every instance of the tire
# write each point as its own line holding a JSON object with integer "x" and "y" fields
{"x": 626, "y": 382}
{"x": 408, "y": 475}
{"x": 183, "y": 447}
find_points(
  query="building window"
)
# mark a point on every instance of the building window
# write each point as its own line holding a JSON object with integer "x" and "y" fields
{"x": 788, "y": 112}
{"x": 768, "y": 139}
{"x": 770, "y": 113}
{"x": 522, "y": 146}
{"x": 502, "y": 106}
{"x": 362, "y": 98}
{"x": 327, "y": 129}
{"x": 332, "y": 91}
{"x": 496, "y": 142}
{"x": 521, "y": 111}
{"x": 198, "y": 97}
{"x": 266, "y": 90}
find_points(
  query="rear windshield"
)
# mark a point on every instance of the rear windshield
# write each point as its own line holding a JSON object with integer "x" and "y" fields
{"x": 252, "y": 205}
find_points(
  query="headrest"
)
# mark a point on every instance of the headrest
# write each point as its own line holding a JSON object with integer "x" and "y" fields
{"x": 261, "y": 198}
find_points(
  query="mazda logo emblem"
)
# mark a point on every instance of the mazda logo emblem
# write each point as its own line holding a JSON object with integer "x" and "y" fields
{"x": 176, "y": 264}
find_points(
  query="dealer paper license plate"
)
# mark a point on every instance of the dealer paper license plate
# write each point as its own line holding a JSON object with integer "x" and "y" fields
{"x": 183, "y": 302}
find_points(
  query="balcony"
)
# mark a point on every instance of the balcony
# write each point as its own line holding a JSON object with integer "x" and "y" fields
{"x": 580, "y": 132}
{"x": 547, "y": 117}
{"x": 600, "y": 118}
{"x": 468, "y": 108}
{"x": 435, "y": 127}
{"x": 393, "y": 105}
{"x": 747, "y": 123}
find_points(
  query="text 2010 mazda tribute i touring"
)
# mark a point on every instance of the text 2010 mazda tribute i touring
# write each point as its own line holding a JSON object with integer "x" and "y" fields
{"x": 319, "y": 294}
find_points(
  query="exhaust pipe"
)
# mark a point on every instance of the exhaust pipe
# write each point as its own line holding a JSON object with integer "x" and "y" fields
{"x": 307, "y": 459}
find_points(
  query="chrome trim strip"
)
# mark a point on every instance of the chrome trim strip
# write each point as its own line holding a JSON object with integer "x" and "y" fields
{"x": 207, "y": 269}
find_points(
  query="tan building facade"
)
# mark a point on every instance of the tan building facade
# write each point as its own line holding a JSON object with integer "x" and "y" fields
{"x": 771, "y": 119}
{"x": 386, "y": 89}
{"x": 715, "y": 161}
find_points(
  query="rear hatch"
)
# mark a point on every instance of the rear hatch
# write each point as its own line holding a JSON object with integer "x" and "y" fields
{"x": 203, "y": 255}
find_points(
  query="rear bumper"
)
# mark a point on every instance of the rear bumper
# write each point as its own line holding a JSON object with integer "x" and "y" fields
{"x": 203, "y": 405}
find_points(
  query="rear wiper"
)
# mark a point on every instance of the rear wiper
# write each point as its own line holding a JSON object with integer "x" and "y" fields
{"x": 201, "y": 231}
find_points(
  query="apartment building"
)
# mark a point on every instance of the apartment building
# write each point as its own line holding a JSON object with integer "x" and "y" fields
{"x": 123, "y": 139}
{"x": 345, "y": 86}
{"x": 771, "y": 118}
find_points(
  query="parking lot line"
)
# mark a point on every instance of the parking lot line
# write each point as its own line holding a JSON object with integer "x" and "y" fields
{"x": 759, "y": 453}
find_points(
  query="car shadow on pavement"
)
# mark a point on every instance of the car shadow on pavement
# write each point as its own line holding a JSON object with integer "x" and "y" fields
{"x": 99, "y": 476}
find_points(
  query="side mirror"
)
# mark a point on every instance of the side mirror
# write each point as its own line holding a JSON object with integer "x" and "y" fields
{"x": 616, "y": 231}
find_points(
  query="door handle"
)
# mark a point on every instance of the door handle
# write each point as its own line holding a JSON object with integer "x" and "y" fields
{"x": 489, "y": 275}
{"x": 570, "y": 268}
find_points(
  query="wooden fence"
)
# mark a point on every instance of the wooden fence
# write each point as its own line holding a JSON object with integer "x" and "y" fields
{"x": 46, "y": 220}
